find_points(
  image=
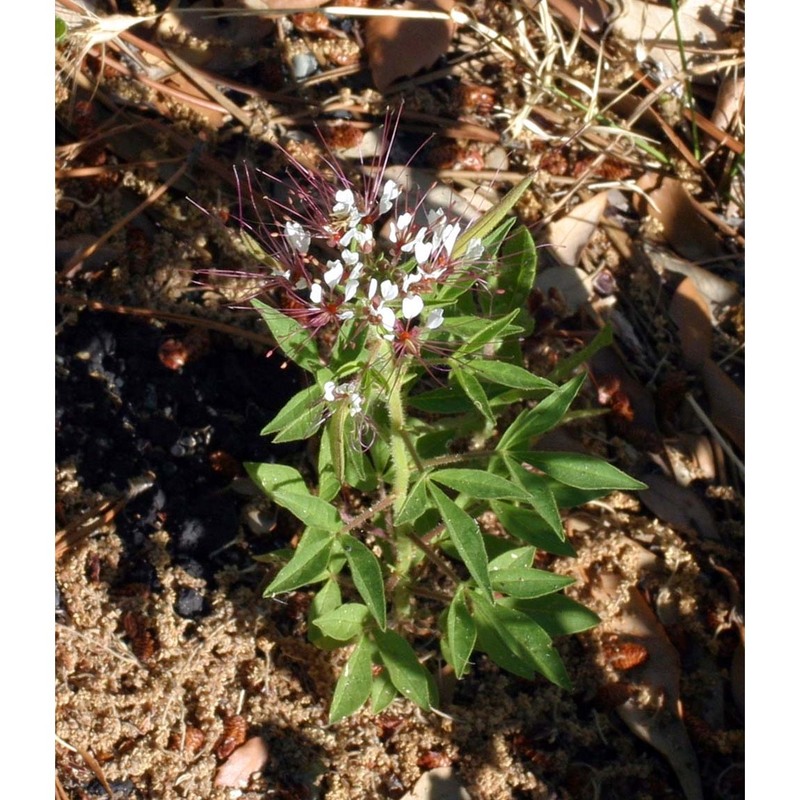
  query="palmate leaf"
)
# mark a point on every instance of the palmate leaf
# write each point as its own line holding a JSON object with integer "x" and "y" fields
{"x": 366, "y": 571}
{"x": 518, "y": 272}
{"x": 557, "y": 614}
{"x": 476, "y": 393}
{"x": 480, "y": 484}
{"x": 299, "y": 418}
{"x": 343, "y": 623}
{"x": 526, "y": 582}
{"x": 492, "y": 219}
{"x": 465, "y": 535}
{"x": 460, "y": 633}
{"x": 515, "y": 642}
{"x": 306, "y": 565}
{"x": 327, "y": 599}
{"x": 544, "y": 417}
{"x": 581, "y": 471}
{"x": 354, "y": 684}
{"x": 292, "y": 338}
{"x": 286, "y": 487}
{"x": 408, "y": 676}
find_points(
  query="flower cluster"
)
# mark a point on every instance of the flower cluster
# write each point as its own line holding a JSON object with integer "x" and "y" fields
{"x": 387, "y": 287}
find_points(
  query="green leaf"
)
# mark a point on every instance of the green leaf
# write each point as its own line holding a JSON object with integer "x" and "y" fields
{"x": 342, "y": 623}
{"x": 517, "y": 271}
{"x": 461, "y": 633}
{"x": 510, "y": 375}
{"x": 61, "y": 29}
{"x": 515, "y": 642}
{"x": 492, "y": 332}
{"x": 305, "y": 566}
{"x": 489, "y": 221}
{"x": 480, "y": 484}
{"x": 545, "y": 416}
{"x": 292, "y": 338}
{"x": 366, "y": 571}
{"x": 409, "y": 677}
{"x": 565, "y": 367}
{"x": 557, "y": 614}
{"x": 299, "y": 418}
{"x": 581, "y": 471}
{"x": 515, "y": 557}
{"x": 329, "y": 486}
{"x": 383, "y": 692}
{"x": 354, "y": 684}
{"x": 542, "y": 498}
{"x": 529, "y": 527}
{"x": 466, "y": 536}
{"x": 476, "y": 393}
{"x": 526, "y": 582}
{"x": 415, "y": 505}
{"x": 286, "y": 487}
{"x": 327, "y": 599}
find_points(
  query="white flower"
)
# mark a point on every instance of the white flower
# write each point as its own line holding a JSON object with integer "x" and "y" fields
{"x": 399, "y": 226}
{"x": 316, "y": 294}
{"x": 389, "y": 290}
{"x": 350, "y": 258}
{"x": 474, "y": 249}
{"x": 391, "y": 191}
{"x": 330, "y": 388}
{"x": 435, "y": 319}
{"x": 412, "y": 306}
{"x": 387, "y": 317}
{"x": 299, "y": 238}
{"x": 334, "y": 273}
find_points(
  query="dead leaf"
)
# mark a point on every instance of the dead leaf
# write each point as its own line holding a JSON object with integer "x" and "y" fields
{"x": 690, "y": 312}
{"x": 678, "y": 506}
{"x": 570, "y": 235}
{"x": 189, "y": 34}
{"x": 653, "y": 712}
{"x": 242, "y": 763}
{"x": 293, "y": 4}
{"x": 437, "y": 784}
{"x": 652, "y": 27}
{"x": 727, "y": 402}
{"x": 688, "y": 233}
{"x": 595, "y": 13}
{"x": 398, "y": 46}
{"x": 729, "y": 101}
{"x": 716, "y": 290}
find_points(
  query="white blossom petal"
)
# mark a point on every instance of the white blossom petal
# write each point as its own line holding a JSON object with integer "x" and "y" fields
{"x": 389, "y": 290}
{"x": 412, "y": 306}
{"x": 330, "y": 388}
{"x": 435, "y": 319}
{"x": 316, "y": 294}
{"x": 334, "y": 274}
{"x": 299, "y": 239}
{"x": 391, "y": 191}
{"x": 387, "y": 317}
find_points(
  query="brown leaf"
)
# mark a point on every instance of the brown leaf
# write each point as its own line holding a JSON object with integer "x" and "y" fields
{"x": 688, "y": 233}
{"x": 438, "y": 784}
{"x": 691, "y": 314}
{"x": 678, "y": 506}
{"x": 242, "y": 763}
{"x": 727, "y": 402}
{"x": 399, "y": 46}
{"x": 653, "y": 713}
{"x": 595, "y": 13}
{"x": 570, "y": 235}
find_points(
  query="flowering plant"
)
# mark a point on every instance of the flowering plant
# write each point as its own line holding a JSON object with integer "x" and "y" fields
{"x": 411, "y": 343}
